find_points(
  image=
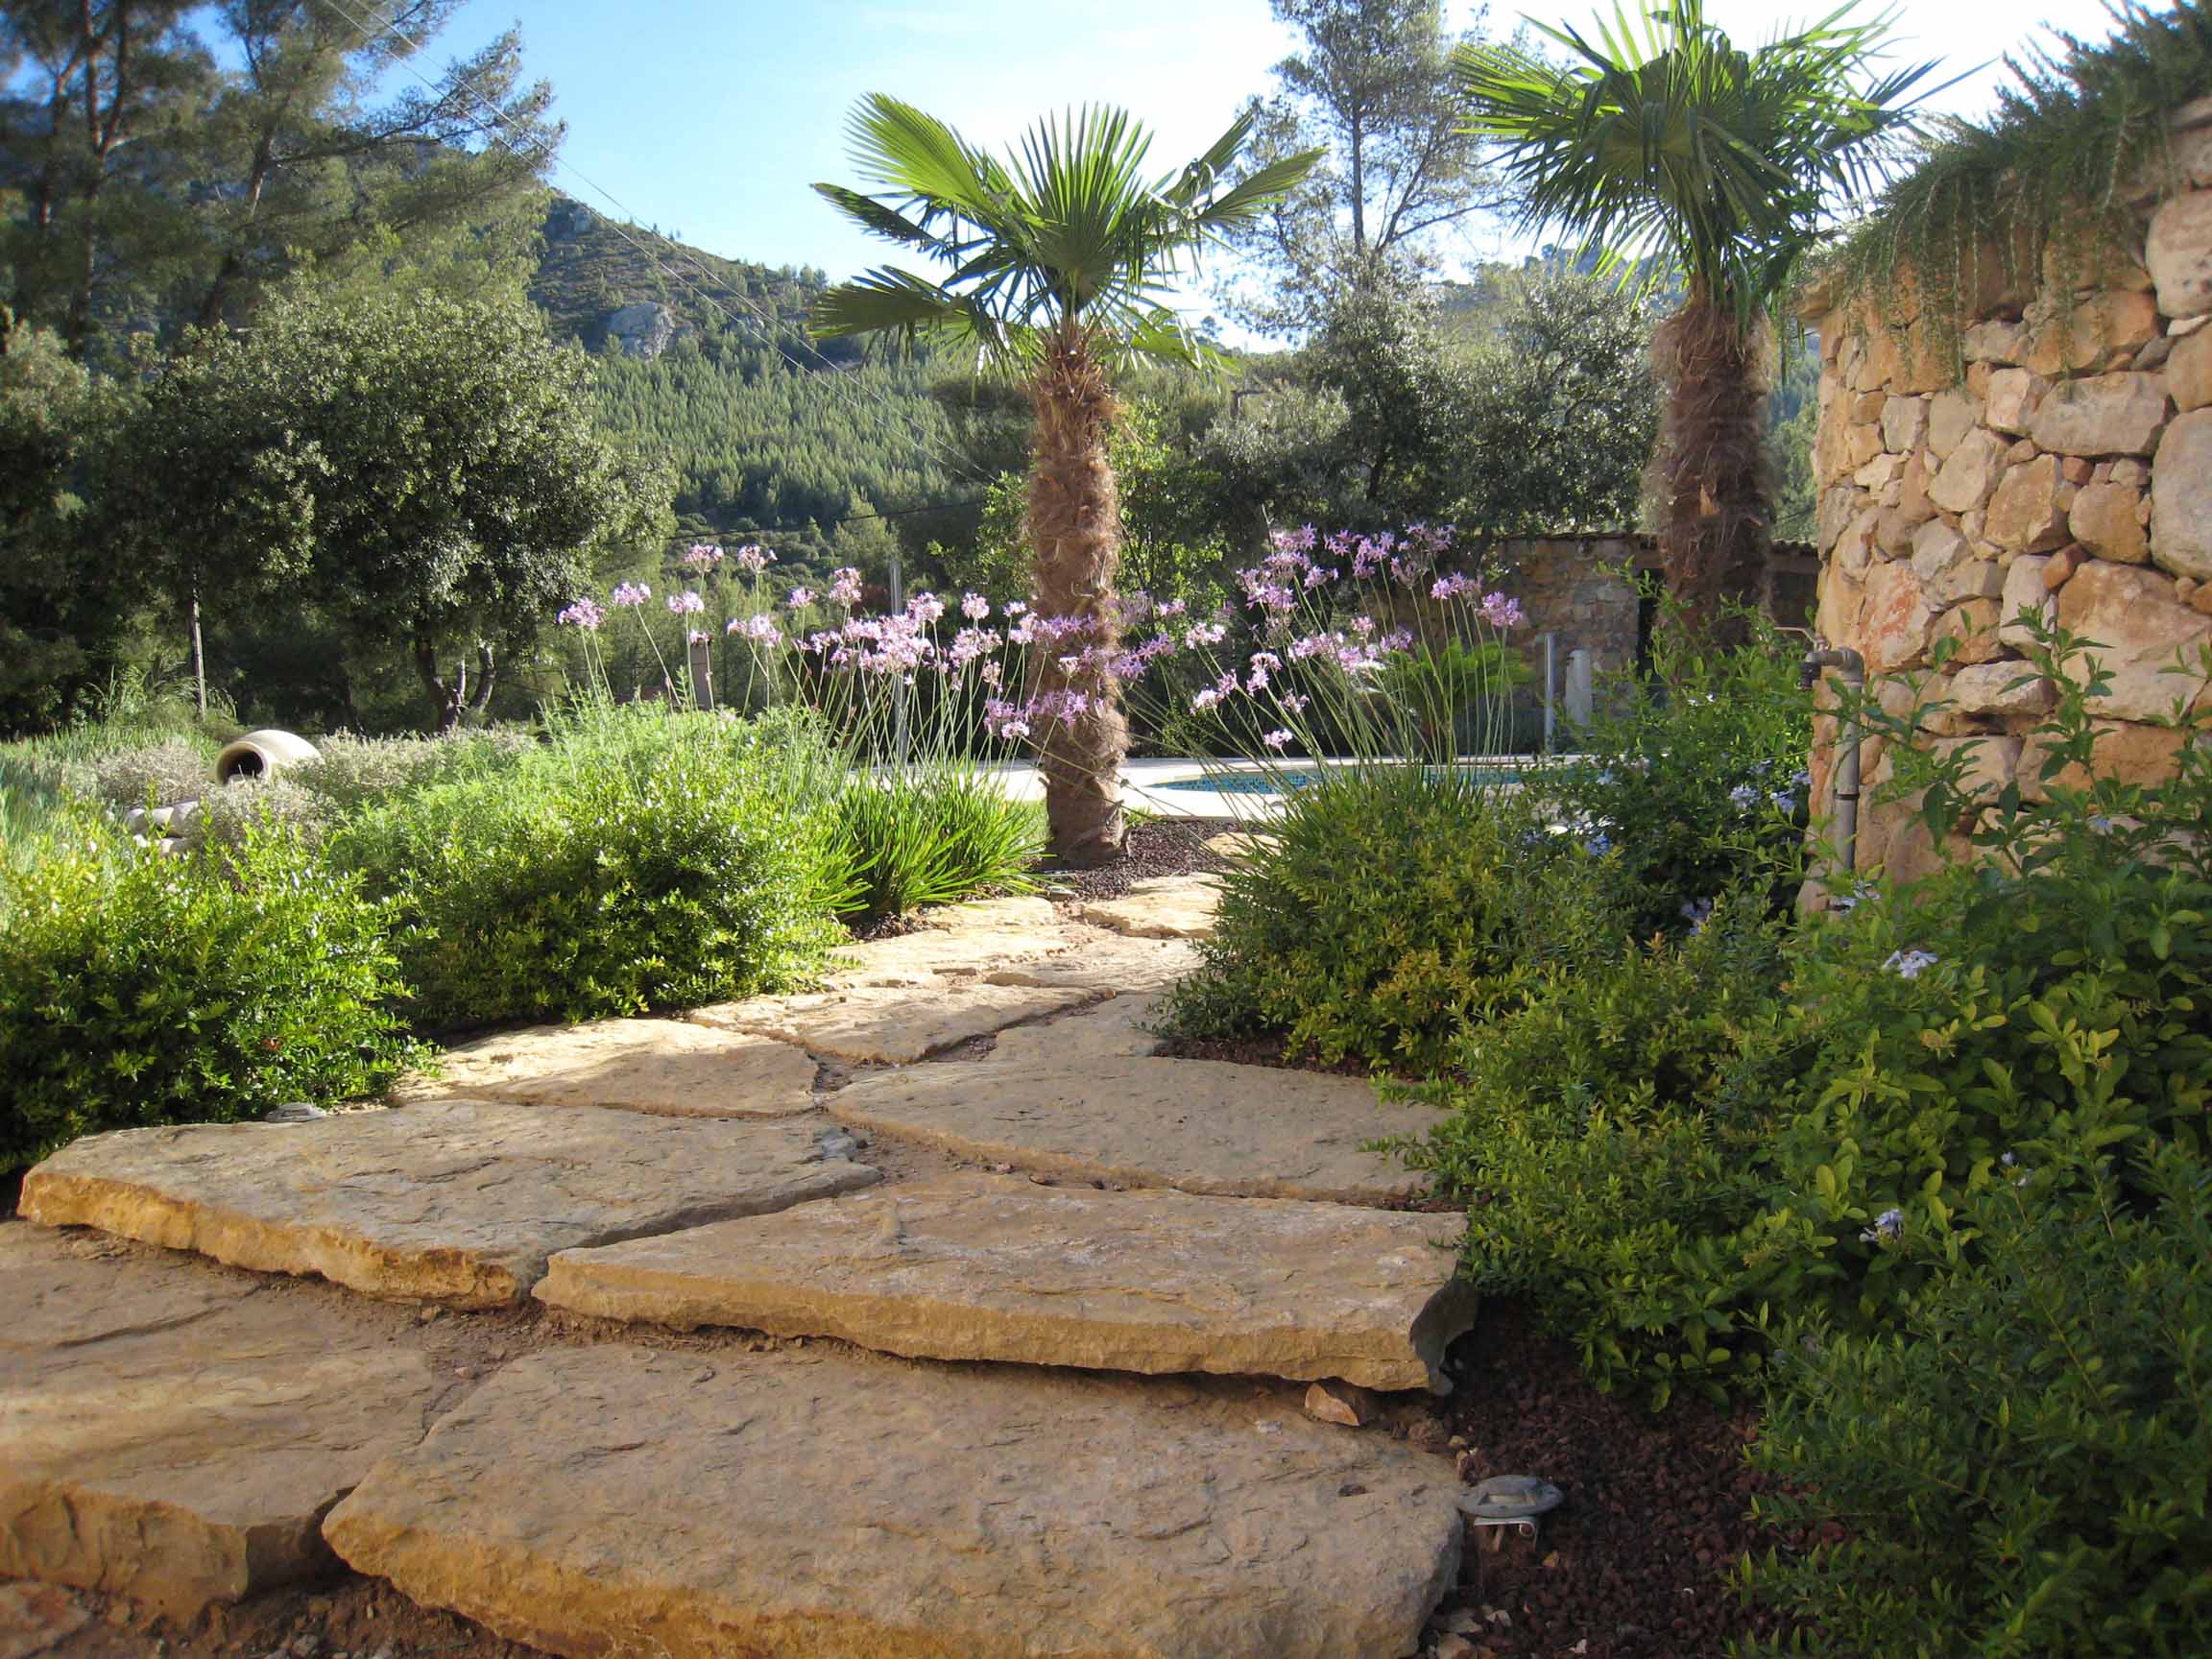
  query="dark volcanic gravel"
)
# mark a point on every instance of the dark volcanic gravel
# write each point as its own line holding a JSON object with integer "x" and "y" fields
{"x": 1157, "y": 847}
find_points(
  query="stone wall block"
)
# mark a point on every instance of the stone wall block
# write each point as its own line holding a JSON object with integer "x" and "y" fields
{"x": 2013, "y": 394}
{"x": 2181, "y": 498}
{"x": 1970, "y": 471}
{"x": 1995, "y": 341}
{"x": 2027, "y": 514}
{"x": 2087, "y": 333}
{"x": 1938, "y": 549}
{"x": 2009, "y": 687}
{"x": 1904, "y": 425}
{"x": 1899, "y": 620}
{"x": 2024, "y": 592}
{"x": 2145, "y": 755}
{"x": 1971, "y": 627}
{"x": 2118, "y": 414}
{"x": 1951, "y": 415}
{"x": 2189, "y": 371}
{"x": 2107, "y": 520}
{"x": 2179, "y": 254}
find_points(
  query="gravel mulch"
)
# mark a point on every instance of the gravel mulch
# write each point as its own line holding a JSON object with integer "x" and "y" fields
{"x": 1157, "y": 847}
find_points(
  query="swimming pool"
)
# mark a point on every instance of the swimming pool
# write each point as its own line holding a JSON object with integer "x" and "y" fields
{"x": 1276, "y": 782}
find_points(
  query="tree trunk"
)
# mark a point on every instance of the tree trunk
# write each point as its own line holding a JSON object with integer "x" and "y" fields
{"x": 448, "y": 700}
{"x": 1075, "y": 529}
{"x": 1708, "y": 471}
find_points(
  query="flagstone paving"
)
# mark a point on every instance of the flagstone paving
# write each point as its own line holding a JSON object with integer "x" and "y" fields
{"x": 1166, "y": 908}
{"x": 660, "y": 1066}
{"x": 453, "y": 1201}
{"x": 1202, "y": 1125}
{"x": 976, "y": 1267}
{"x": 625, "y": 1491}
{"x": 1105, "y": 962}
{"x": 888, "y": 1025}
{"x": 605, "y": 1501}
{"x": 1120, "y": 1026}
{"x": 174, "y": 1432}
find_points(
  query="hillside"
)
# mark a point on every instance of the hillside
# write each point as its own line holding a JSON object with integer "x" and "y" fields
{"x": 705, "y": 361}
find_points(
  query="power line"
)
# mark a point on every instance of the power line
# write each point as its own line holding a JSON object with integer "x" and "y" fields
{"x": 768, "y": 327}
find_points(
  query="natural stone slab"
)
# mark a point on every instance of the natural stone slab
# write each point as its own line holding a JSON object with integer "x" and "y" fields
{"x": 455, "y": 1201}
{"x": 604, "y": 1502}
{"x": 919, "y": 957}
{"x": 1202, "y": 1125}
{"x": 172, "y": 1433}
{"x": 887, "y": 1025}
{"x": 1118, "y": 1027}
{"x": 995, "y": 1267}
{"x": 1167, "y": 907}
{"x": 991, "y": 914}
{"x": 666, "y": 1067}
{"x": 1106, "y": 962}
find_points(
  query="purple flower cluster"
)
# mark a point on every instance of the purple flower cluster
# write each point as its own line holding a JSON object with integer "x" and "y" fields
{"x": 685, "y": 604}
{"x": 630, "y": 594}
{"x": 584, "y": 614}
{"x": 756, "y": 559}
{"x": 703, "y": 556}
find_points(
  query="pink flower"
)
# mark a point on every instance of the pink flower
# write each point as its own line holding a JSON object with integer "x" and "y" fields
{"x": 584, "y": 614}
{"x": 1500, "y": 611}
{"x": 703, "y": 556}
{"x": 630, "y": 593}
{"x": 1276, "y": 740}
{"x": 799, "y": 598}
{"x": 761, "y": 629}
{"x": 926, "y": 608}
{"x": 845, "y": 587}
{"x": 685, "y": 603}
{"x": 756, "y": 559}
{"x": 974, "y": 606}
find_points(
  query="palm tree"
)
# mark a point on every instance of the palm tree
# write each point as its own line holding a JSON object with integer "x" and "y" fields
{"x": 1060, "y": 257}
{"x": 1664, "y": 138}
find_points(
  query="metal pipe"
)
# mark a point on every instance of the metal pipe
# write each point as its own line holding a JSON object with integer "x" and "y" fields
{"x": 1853, "y": 667}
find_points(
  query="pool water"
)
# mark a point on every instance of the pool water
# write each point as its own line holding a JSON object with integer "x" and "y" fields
{"x": 1276, "y": 782}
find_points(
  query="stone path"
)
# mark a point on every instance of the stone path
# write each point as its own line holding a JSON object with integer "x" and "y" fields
{"x": 175, "y": 1433}
{"x": 1200, "y": 1125}
{"x": 635, "y": 1064}
{"x": 452, "y": 1201}
{"x": 610, "y": 1501}
{"x": 176, "y": 1430}
{"x": 994, "y": 1267}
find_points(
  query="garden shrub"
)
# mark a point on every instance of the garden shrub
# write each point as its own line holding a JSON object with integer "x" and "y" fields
{"x": 2021, "y": 1464}
{"x": 350, "y": 774}
{"x": 641, "y": 861}
{"x": 1662, "y": 1156}
{"x": 1608, "y": 1132}
{"x": 1389, "y": 904}
{"x": 136, "y": 989}
{"x": 935, "y": 836}
{"x": 1693, "y": 776}
{"x": 153, "y": 774}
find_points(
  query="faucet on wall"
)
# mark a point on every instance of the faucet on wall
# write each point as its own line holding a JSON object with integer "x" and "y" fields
{"x": 1853, "y": 668}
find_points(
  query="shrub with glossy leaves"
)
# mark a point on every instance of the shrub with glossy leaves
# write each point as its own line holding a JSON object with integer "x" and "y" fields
{"x": 2020, "y": 1462}
{"x": 138, "y": 990}
{"x": 1389, "y": 904}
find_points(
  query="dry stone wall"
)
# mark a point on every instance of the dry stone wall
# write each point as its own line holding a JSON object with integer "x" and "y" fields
{"x": 2053, "y": 453}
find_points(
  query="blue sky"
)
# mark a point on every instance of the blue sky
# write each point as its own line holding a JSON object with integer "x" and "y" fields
{"x": 709, "y": 119}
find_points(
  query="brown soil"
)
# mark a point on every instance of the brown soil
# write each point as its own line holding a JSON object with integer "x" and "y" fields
{"x": 1637, "y": 1563}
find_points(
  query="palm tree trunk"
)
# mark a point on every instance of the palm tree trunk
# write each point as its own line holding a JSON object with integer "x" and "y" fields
{"x": 1708, "y": 471}
{"x": 1075, "y": 529}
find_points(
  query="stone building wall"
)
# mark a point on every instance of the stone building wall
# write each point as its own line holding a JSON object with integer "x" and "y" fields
{"x": 2054, "y": 452}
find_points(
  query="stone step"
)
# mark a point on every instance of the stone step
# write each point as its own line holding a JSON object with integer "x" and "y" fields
{"x": 920, "y": 957}
{"x": 1202, "y": 1125}
{"x": 666, "y": 1067}
{"x": 1112, "y": 963}
{"x": 174, "y": 1432}
{"x": 1166, "y": 908}
{"x": 973, "y": 1266}
{"x": 1118, "y": 1027}
{"x": 888, "y": 1025}
{"x": 605, "y": 1501}
{"x": 452, "y": 1201}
